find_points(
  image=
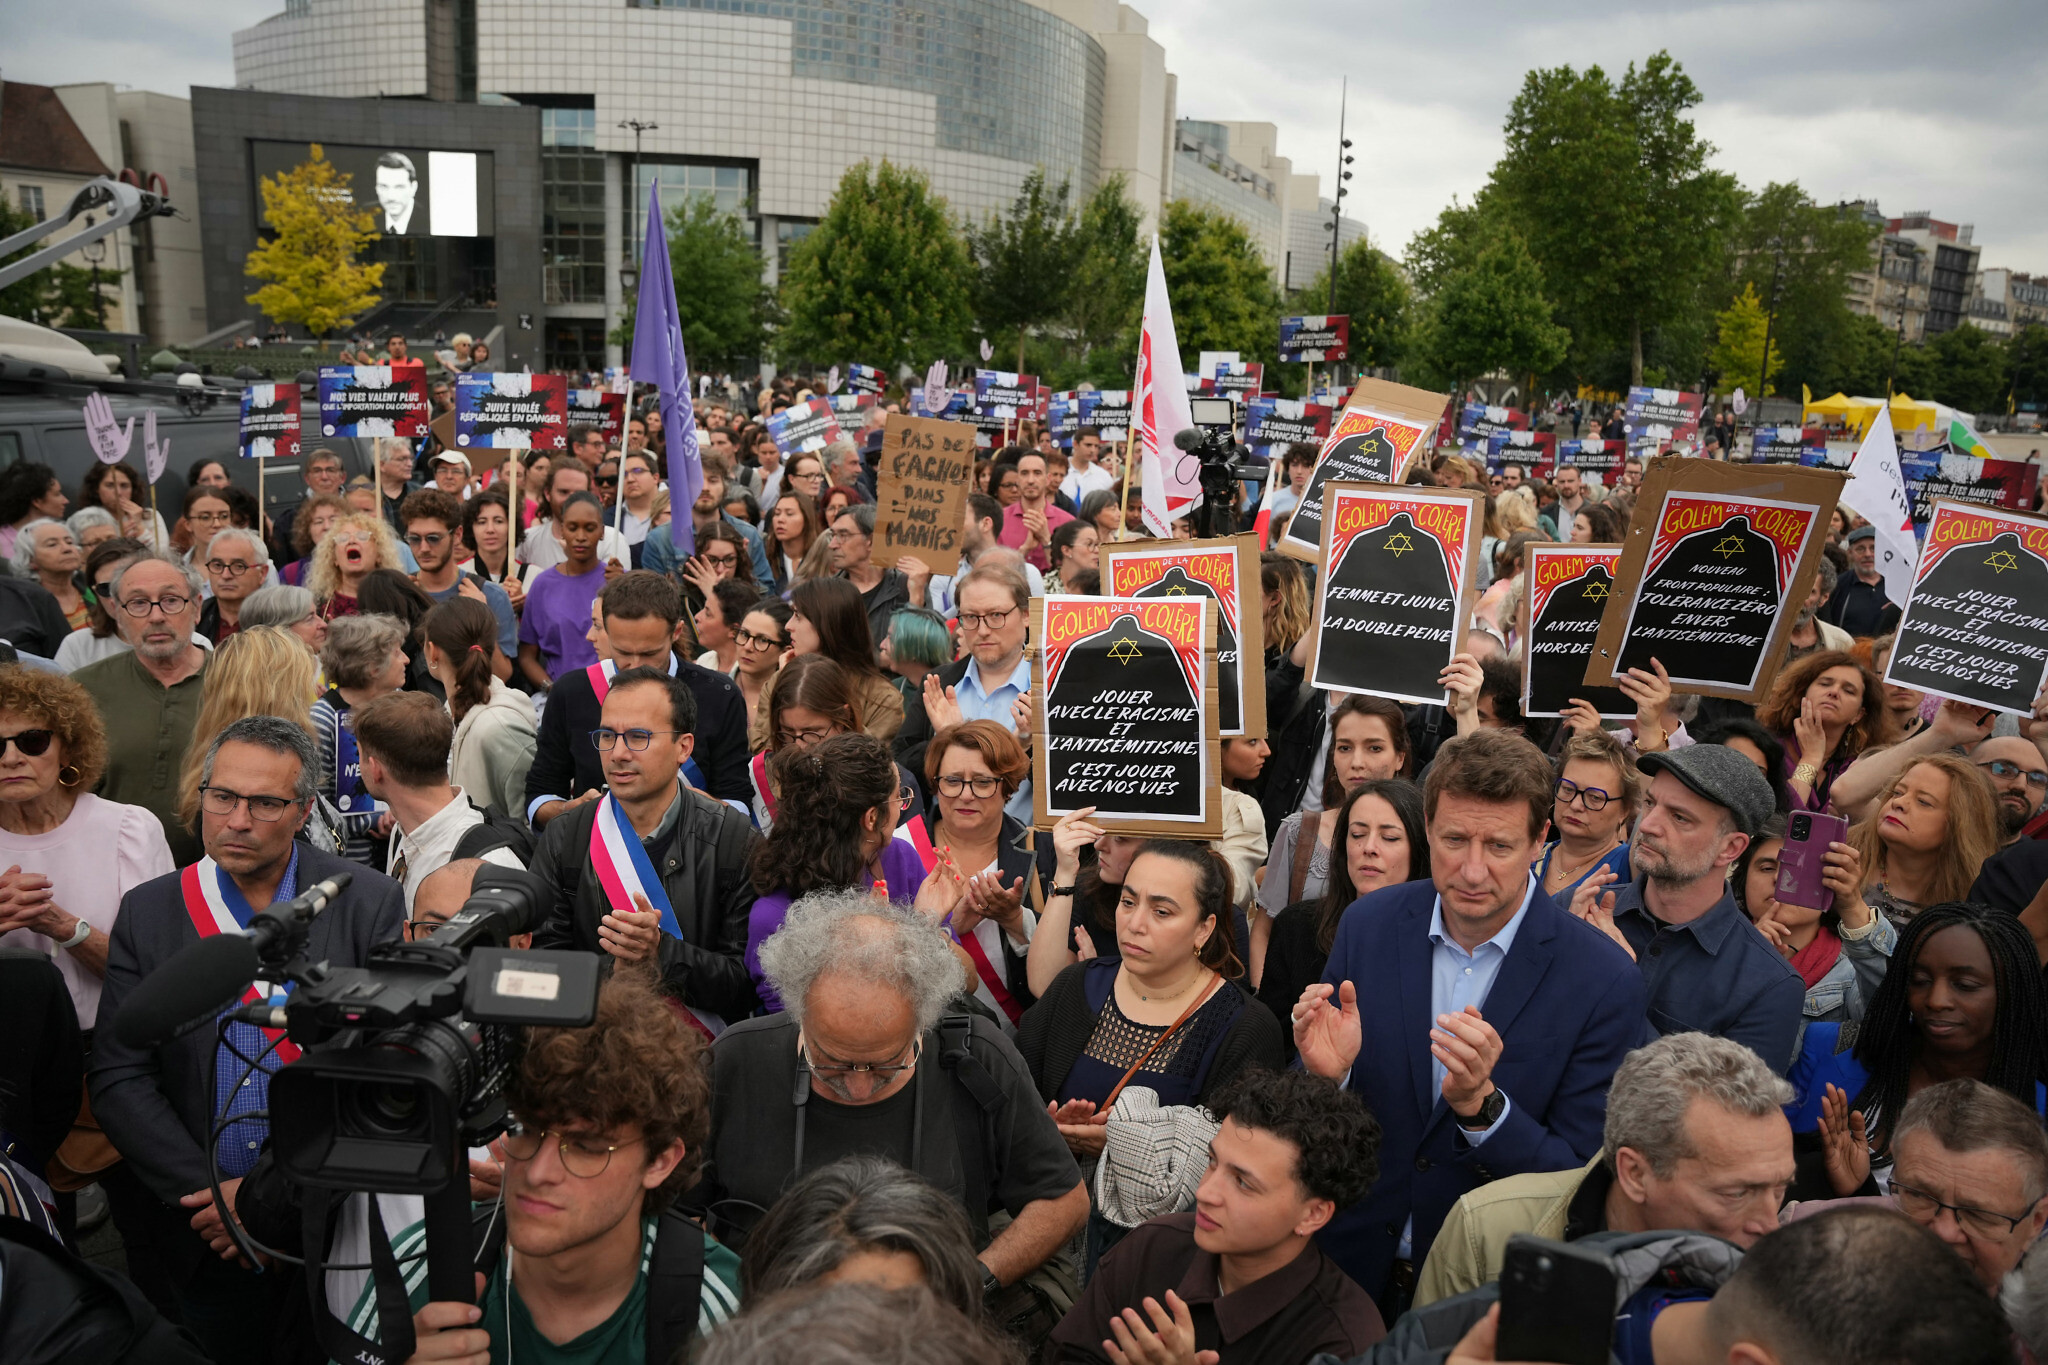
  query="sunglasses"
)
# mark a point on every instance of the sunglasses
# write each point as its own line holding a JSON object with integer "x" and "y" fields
{"x": 31, "y": 743}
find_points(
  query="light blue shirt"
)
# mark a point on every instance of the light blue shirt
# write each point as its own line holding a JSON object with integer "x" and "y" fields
{"x": 977, "y": 702}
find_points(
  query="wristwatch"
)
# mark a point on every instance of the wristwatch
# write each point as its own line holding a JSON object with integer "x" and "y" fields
{"x": 78, "y": 935}
{"x": 1063, "y": 890}
{"x": 989, "y": 1283}
{"x": 1490, "y": 1110}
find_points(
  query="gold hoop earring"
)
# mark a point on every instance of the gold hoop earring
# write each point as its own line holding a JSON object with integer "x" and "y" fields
{"x": 70, "y": 781}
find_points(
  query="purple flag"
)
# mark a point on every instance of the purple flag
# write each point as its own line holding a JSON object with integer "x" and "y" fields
{"x": 658, "y": 360}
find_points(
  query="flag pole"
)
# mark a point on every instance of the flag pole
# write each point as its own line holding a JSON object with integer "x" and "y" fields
{"x": 1123, "y": 520}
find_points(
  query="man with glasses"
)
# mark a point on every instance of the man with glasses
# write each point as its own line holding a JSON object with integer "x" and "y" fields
{"x": 432, "y": 521}
{"x": 236, "y": 564}
{"x": 866, "y": 1058}
{"x": 394, "y": 477}
{"x": 158, "y": 1103}
{"x": 323, "y": 475}
{"x": 149, "y": 695}
{"x": 991, "y": 683}
{"x": 595, "y": 1266}
{"x": 653, "y": 871}
{"x": 586, "y": 443}
{"x": 1708, "y": 969}
{"x": 659, "y": 553}
{"x": 2019, "y": 778}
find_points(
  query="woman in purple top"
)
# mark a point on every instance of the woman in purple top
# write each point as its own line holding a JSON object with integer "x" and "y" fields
{"x": 554, "y": 632}
{"x": 1826, "y": 709}
{"x": 838, "y": 803}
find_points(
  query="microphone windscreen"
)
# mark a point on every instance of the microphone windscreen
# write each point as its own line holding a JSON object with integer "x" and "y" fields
{"x": 195, "y": 983}
{"x": 1187, "y": 438}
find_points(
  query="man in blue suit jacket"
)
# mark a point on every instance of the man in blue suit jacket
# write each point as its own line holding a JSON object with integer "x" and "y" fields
{"x": 1496, "y": 1020}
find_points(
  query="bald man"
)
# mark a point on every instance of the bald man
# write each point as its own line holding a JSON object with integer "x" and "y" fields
{"x": 2018, "y": 776}
{"x": 442, "y": 895}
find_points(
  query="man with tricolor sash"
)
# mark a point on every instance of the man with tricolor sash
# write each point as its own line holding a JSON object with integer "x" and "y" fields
{"x": 654, "y": 872}
{"x": 158, "y": 1104}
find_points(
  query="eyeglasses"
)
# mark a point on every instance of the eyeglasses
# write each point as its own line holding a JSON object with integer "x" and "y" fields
{"x": 1592, "y": 798}
{"x": 636, "y": 740}
{"x": 746, "y": 639}
{"x": 836, "y": 1075}
{"x": 722, "y": 561}
{"x": 906, "y": 797}
{"x": 993, "y": 620}
{"x": 1920, "y": 1204}
{"x": 31, "y": 743}
{"x": 583, "y": 1157}
{"x": 835, "y": 534}
{"x": 210, "y": 518}
{"x": 952, "y": 784}
{"x": 221, "y": 801}
{"x": 236, "y": 567}
{"x": 170, "y": 605}
{"x": 1999, "y": 767}
{"x": 416, "y": 929}
{"x": 803, "y": 739}
{"x": 428, "y": 539}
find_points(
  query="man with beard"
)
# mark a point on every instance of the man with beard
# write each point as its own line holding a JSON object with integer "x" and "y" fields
{"x": 1859, "y": 604}
{"x": 1809, "y": 632}
{"x": 432, "y": 521}
{"x": 1707, "y": 967}
{"x": 2018, "y": 776}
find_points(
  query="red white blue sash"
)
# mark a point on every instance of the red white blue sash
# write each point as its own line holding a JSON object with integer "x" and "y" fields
{"x": 216, "y": 905}
{"x": 600, "y": 675}
{"x": 623, "y": 870}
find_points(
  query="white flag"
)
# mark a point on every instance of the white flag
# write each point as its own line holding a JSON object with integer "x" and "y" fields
{"x": 1171, "y": 477}
{"x": 1876, "y": 491}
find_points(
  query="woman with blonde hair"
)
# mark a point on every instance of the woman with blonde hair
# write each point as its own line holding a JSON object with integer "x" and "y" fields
{"x": 358, "y": 546}
{"x": 1284, "y": 593}
{"x": 1926, "y": 840}
{"x": 257, "y": 671}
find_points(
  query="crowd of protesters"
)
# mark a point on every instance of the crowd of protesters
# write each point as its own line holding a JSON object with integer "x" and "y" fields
{"x": 891, "y": 1075}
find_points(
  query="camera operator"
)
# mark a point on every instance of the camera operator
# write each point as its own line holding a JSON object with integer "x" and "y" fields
{"x": 157, "y": 1104}
{"x": 612, "y": 1121}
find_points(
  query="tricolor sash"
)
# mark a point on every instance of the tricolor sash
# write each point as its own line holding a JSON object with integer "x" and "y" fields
{"x": 601, "y": 674}
{"x": 216, "y": 905}
{"x": 623, "y": 869}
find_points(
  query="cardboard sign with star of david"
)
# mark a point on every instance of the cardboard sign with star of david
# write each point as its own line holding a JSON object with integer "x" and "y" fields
{"x": 1394, "y": 595}
{"x": 1976, "y": 626}
{"x": 1227, "y": 569}
{"x": 1382, "y": 432}
{"x": 1718, "y": 561}
{"x": 1566, "y": 589}
{"x": 1124, "y": 705}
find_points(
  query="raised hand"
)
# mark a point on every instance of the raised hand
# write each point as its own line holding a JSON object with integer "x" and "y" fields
{"x": 1845, "y": 1148}
{"x": 1070, "y": 835}
{"x": 1596, "y": 907}
{"x": 109, "y": 439}
{"x": 1327, "y": 1035}
{"x": 940, "y": 707}
{"x": 1811, "y": 735}
{"x": 1168, "y": 1340}
{"x": 156, "y": 455}
{"x": 1650, "y": 690}
{"x": 1579, "y": 716}
{"x": 1959, "y": 723}
{"x": 1461, "y": 679}
{"x": 1842, "y": 873}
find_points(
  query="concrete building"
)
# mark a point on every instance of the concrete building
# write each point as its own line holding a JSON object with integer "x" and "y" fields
{"x": 1922, "y": 276}
{"x": 2018, "y": 301}
{"x": 1237, "y": 169}
{"x": 1951, "y": 260}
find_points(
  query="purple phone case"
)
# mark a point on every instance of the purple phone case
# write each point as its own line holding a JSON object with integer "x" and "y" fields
{"x": 1800, "y": 868}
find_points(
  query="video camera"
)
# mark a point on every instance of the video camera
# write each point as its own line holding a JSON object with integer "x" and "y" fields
{"x": 1213, "y": 441}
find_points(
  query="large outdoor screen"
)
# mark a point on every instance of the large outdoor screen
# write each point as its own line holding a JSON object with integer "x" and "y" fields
{"x": 415, "y": 192}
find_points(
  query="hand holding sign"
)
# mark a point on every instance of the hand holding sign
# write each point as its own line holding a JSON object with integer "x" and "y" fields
{"x": 110, "y": 440}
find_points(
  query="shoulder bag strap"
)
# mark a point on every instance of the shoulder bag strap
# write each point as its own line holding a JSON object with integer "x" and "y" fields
{"x": 675, "y": 1286}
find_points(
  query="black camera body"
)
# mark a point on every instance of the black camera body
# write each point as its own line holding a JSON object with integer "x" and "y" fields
{"x": 1213, "y": 442}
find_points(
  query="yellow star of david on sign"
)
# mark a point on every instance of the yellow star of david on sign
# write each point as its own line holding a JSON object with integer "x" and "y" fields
{"x": 1731, "y": 544}
{"x": 1123, "y": 651}
{"x": 1595, "y": 592}
{"x": 1176, "y": 591}
{"x": 1398, "y": 543}
{"x": 2002, "y": 561}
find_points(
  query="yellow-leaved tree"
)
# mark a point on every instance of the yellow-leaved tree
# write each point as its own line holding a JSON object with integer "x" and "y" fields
{"x": 317, "y": 233}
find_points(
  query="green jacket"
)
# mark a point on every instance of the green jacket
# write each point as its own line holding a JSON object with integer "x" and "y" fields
{"x": 1468, "y": 1250}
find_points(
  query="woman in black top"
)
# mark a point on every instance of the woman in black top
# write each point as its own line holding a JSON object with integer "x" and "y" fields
{"x": 1378, "y": 842}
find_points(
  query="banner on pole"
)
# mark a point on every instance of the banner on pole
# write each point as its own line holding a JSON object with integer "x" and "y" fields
{"x": 1316, "y": 340}
{"x": 804, "y": 428}
{"x": 1387, "y": 427}
{"x": 511, "y": 411}
{"x": 373, "y": 400}
{"x": 1976, "y": 625}
{"x": 1568, "y": 590}
{"x": 603, "y": 409}
{"x": 270, "y": 422}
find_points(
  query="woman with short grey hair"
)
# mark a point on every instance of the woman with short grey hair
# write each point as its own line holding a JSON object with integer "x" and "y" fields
{"x": 292, "y": 607}
{"x": 46, "y": 552}
{"x": 364, "y": 658}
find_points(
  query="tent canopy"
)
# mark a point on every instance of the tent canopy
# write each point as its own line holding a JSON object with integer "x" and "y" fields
{"x": 1857, "y": 413}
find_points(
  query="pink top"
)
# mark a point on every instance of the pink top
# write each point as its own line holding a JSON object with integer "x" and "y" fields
{"x": 1015, "y": 531}
{"x": 102, "y": 852}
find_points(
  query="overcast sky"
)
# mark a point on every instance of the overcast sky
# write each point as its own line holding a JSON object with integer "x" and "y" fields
{"x": 1936, "y": 107}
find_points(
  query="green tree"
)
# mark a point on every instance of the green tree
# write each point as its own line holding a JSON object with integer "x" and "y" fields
{"x": 1222, "y": 291}
{"x": 1740, "y": 330}
{"x": 1969, "y": 370}
{"x": 883, "y": 277}
{"x": 1491, "y": 315}
{"x": 1608, "y": 183}
{"x": 1372, "y": 292}
{"x": 723, "y": 302}
{"x": 59, "y": 295}
{"x": 311, "y": 258}
{"x": 2026, "y": 365}
{"x": 1108, "y": 298}
{"x": 1024, "y": 261}
{"x": 1812, "y": 250}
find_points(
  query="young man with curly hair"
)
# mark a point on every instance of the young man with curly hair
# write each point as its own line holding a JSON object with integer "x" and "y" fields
{"x": 1241, "y": 1277}
{"x": 610, "y": 1123}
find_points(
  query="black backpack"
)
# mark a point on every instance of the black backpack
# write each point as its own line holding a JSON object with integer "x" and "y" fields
{"x": 496, "y": 832}
{"x": 56, "y": 1308}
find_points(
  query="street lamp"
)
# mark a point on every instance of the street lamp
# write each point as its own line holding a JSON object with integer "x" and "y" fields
{"x": 94, "y": 252}
{"x": 1343, "y": 160}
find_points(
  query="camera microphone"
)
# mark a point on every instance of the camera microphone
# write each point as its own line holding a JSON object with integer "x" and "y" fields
{"x": 1189, "y": 438}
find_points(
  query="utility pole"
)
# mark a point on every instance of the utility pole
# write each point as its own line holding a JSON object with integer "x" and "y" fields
{"x": 1343, "y": 160}
{"x": 1763, "y": 365}
{"x": 628, "y": 263}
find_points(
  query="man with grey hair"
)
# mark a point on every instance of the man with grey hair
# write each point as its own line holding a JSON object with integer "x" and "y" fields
{"x": 157, "y": 1102}
{"x": 842, "y": 463}
{"x": 871, "y": 1056}
{"x": 236, "y": 565}
{"x": 149, "y": 696}
{"x": 1695, "y": 1139}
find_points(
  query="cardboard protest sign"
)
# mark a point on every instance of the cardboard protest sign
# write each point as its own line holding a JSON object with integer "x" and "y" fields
{"x": 1273, "y": 424}
{"x": 1568, "y": 590}
{"x": 1397, "y": 566}
{"x": 1655, "y": 416}
{"x": 1787, "y": 445}
{"x": 270, "y": 422}
{"x": 1315, "y": 339}
{"x": 921, "y": 503}
{"x": 511, "y": 411}
{"x": 1125, "y": 714}
{"x": 1718, "y": 558}
{"x": 1976, "y": 626}
{"x": 373, "y": 400}
{"x": 1386, "y": 428}
{"x": 602, "y": 409}
{"x": 866, "y": 379}
{"x": 1109, "y": 412}
{"x": 1226, "y": 569}
{"x": 804, "y": 427}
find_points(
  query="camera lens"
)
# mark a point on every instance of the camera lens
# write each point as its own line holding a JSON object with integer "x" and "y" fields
{"x": 1802, "y": 826}
{"x": 386, "y": 1108}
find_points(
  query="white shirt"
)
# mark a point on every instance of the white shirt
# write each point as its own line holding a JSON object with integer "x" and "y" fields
{"x": 430, "y": 845}
{"x": 1080, "y": 482}
{"x": 541, "y": 550}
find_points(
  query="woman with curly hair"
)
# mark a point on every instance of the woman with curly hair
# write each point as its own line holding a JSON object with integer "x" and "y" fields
{"x": 116, "y": 488}
{"x": 70, "y": 855}
{"x": 838, "y": 803}
{"x": 358, "y": 545}
{"x": 259, "y": 671}
{"x": 1826, "y": 709}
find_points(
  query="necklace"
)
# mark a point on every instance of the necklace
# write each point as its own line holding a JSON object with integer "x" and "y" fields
{"x": 1155, "y": 999}
{"x": 1573, "y": 874}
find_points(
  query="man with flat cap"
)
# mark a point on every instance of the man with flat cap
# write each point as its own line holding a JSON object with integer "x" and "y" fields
{"x": 1707, "y": 967}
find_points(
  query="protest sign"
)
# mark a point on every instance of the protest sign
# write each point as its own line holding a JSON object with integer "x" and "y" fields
{"x": 921, "y": 503}
{"x": 1317, "y": 340}
{"x": 847, "y": 404}
{"x": 350, "y": 795}
{"x": 1063, "y": 417}
{"x": 1239, "y": 379}
{"x": 954, "y": 405}
{"x": 1478, "y": 421}
{"x": 1396, "y": 567}
{"x": 373, "y": 400}
{"x": 1965, "y": 478}
{"x": 270, "y": 422}
{"x": 1718, "y": 558}
{"x": 866, "y": 379}
{"x": 511, "y": 411}
{"x": 1788, "y": 445}
{"x": 1003, "y": 394}
{"x": 1109, "y": 412}
{"x": 1976, "y": 626}
{"x": 1534, "y": 451}
{"x": 1568, "y": 589}
{"x": 602, "y": 409}
{"x": 1592, "y": 456}
{"x": 1273, "y": 424}
{"x": 1124, "y": 716}
{"x": 1374, "y": 440}
{"x": 1226, "y": 569}
{"x": 804, "y": 427}
{"x": 1655, "y": 416}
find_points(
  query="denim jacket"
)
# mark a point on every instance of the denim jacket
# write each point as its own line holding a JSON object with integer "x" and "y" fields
{"x": 1845, "y": 992}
